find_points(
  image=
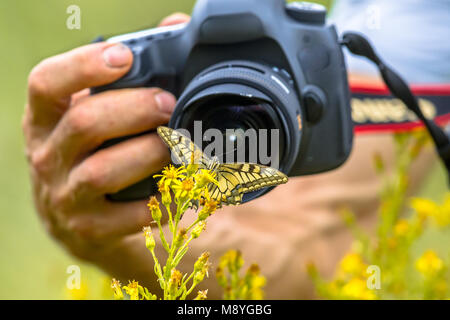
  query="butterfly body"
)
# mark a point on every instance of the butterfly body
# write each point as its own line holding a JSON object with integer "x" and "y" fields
{"x": 234, "y": 179}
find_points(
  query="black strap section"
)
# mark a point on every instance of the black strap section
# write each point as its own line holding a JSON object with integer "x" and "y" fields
{"x": 359, "y": 45}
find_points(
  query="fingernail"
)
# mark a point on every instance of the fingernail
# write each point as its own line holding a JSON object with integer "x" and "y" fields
{"x": 117, "y": 56}
{"x": 165, "y": 101}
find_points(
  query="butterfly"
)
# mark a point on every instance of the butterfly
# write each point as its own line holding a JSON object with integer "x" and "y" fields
{"x": 234, "y": 179}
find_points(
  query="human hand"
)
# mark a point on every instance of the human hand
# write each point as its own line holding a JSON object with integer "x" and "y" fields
{"x": 63, "y": 127}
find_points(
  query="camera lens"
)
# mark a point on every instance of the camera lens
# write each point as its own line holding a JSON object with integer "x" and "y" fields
{"x": 246, "y": 111}
{"x": 251, "y": 130}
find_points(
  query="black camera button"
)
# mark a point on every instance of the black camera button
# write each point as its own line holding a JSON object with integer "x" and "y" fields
{"x": 314, "y": 102}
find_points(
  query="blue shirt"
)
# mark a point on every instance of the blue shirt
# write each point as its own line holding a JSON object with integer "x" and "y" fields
{"x": 412, "y": 36}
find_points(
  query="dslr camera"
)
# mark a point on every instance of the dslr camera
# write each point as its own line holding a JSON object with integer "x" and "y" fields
{"x": 241, "y": 64}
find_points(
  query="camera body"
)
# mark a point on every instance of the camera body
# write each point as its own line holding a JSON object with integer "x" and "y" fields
{"x": 281, "y": 54}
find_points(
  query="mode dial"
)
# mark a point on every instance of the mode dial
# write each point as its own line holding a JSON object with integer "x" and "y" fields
{"x": 307, "y": 12}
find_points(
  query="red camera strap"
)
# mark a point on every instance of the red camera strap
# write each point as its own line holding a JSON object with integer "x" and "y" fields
{"x": 374, "y": 109}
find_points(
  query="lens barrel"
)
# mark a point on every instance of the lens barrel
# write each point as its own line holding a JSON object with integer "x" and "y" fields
{"x": 253, "y": 106}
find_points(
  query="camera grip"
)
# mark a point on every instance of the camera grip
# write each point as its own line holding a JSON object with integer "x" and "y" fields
{"x": 139, "y": 75}
{"x": 138, "y": 191}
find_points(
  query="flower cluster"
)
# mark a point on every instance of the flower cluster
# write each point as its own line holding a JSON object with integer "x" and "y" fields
{"x": 350, "y": 281}
{"x": 404, "y": 274}
{"x": 184, "y": 187}
{"x": 248, "y": 287}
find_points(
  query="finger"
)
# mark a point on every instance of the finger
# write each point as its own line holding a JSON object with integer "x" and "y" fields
{"x": 115, "y": 168}
{"x": 54, "y": 80}
{"x": 76, "y": 97}
{"x": 175, "y": 18}
{"x": 109, "y": 221}
{"x": 105, "y": 116}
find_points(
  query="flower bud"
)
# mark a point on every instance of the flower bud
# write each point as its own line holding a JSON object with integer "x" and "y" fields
{"x": 201, "y": 261}
{"x": 115, "y": 285}
{"x": 149, "y": 240}
{"x": 235, "y": 260}
{"x": 201, "y": 295}
{"x": 208, "y": 209}
{"x": 153, "y": 205}
{"x": 132, "y": 289}
{"x": 166, "y": 198}
{"x": 200, "y": 275}
{"x": 197, "y": 230}
{"x": 174, "y": 281}
{"x": 181, "y": 236}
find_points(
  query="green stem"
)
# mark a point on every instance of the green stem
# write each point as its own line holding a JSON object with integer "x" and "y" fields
{"x": 158, "y": 266}
{"x": 192, "y": 225}
{"x": 234, "y": 284}
{"x": 181, "y": 249}
{"x": 187, "y": 279}
{"x": 163, "y": 238}
{"x": 169, "y": 213}
{"x": 168, "y": 267}
{"x": 188, "y": 292}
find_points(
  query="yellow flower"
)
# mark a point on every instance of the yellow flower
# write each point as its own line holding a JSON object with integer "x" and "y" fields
{"x": 429, "y": 264}
{"x": 442, "y": 216}
{"x": 153, "y": 205}
{"x": 256, "y": 294}
{"x": 401, "y": 228}
{"x": 352, "y": 264}
{"x": 78, "y": 294}
{"x": 255, "y": 279}
{"x": 115, "y": 285}
{"x": 425, "y": 208}
{"x": 170, "y": 175}
{"x": 132, "y": 290}
{"x": 149, "y": 240}
{"x": 183, "y": 189}
{"x": 234, "y": 260}
{"x": 205, "y": 177}
{"x": 356, "y": 288}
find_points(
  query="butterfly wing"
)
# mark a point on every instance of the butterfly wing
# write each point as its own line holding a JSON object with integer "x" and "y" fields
{"x": 235, "y": 179}
{"x": 183, "y": 149}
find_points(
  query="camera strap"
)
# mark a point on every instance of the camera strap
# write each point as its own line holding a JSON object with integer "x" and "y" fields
{"x": 375, "y": 110}
{"x": 359, "y": 45}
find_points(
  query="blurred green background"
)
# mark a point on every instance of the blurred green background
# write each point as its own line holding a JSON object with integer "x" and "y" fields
{"x": 32, "y": 266}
